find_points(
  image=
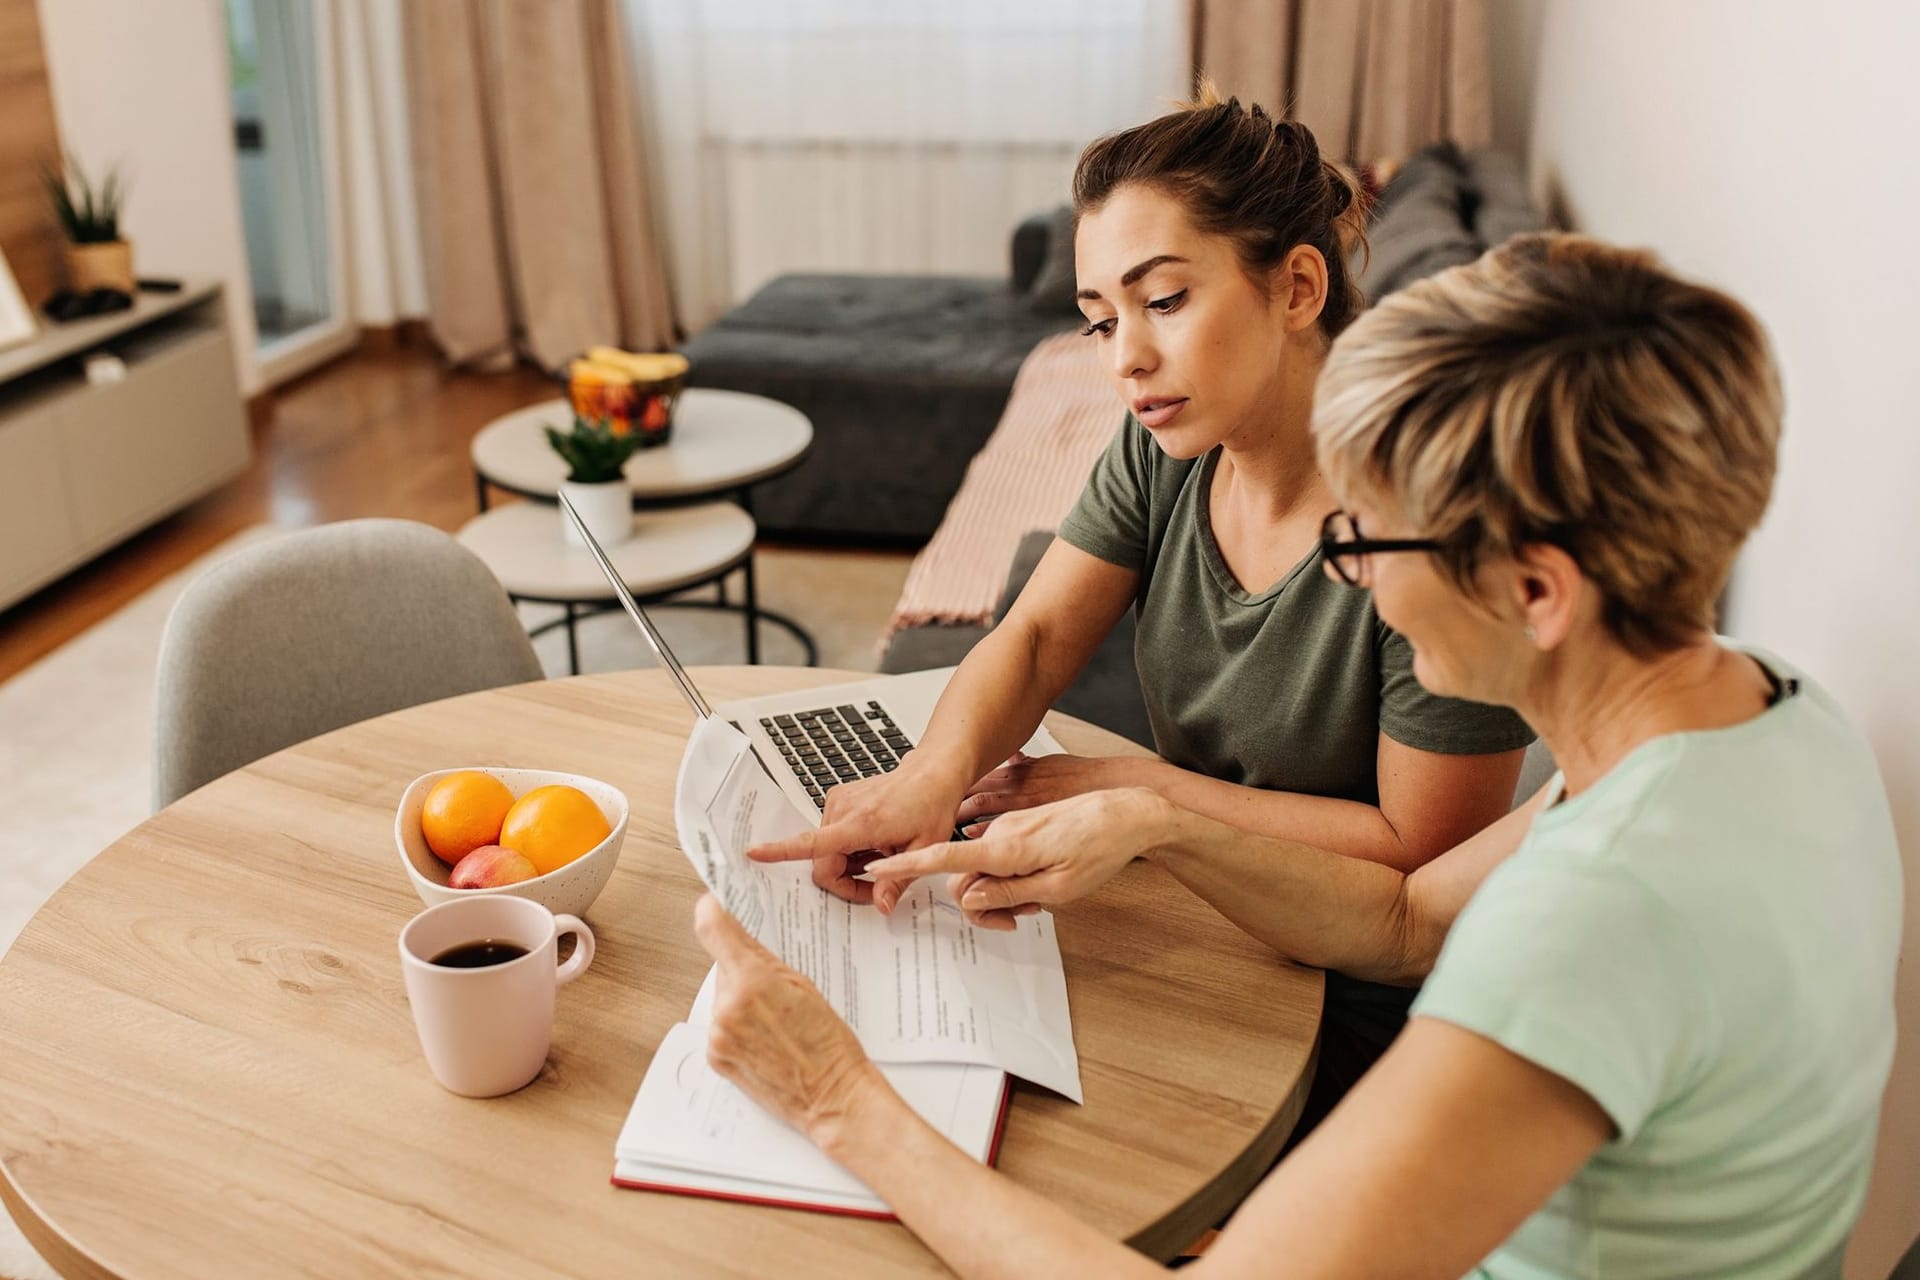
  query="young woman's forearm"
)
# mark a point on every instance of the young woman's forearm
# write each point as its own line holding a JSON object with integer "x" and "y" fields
{"x": 996, "y": 699}
{"x": 989, "y": 708}
{"x": 978, "y": 1221}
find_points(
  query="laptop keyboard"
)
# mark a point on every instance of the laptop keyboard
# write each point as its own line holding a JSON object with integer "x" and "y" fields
{"x": 832, "y": 745}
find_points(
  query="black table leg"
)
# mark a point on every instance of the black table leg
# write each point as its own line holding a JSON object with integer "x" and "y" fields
{"x": 743, "y": 498}
{"x": 480, "y": 489}
{"x": 573, "y": 612}
{"x": 752, "y": 612}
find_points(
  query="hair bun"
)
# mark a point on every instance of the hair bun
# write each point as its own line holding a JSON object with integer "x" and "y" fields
{"x": 1340, "y": 185}
{"x": 1246, "y": 172}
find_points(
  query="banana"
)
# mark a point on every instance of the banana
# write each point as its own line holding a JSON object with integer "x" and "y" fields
{"x": 648, "y": 367}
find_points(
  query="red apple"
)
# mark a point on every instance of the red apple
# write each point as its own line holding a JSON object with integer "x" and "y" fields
{"x": 489, "y": 867}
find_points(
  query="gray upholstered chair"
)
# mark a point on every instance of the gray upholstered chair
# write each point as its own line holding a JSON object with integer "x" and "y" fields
{"x": 318, "y": 629}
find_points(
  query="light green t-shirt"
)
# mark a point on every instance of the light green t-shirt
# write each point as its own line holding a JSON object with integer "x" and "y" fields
{"x": 1705, "y": 943}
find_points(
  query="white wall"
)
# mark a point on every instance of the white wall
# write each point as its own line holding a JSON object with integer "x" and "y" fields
{"x": 145, "y": 86}
{"x": 1766, "y": 145}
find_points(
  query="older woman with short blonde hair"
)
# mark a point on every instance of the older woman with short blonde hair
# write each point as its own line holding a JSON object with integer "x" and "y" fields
{"x": 1657, "y": 1012}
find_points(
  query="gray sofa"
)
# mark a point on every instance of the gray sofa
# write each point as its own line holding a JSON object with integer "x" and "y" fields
{"x": 903, "y": 378}
{"x": 1442, "y": 208}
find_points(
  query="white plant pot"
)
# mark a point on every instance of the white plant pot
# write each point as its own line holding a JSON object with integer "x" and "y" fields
{"x": 607, "y": 510}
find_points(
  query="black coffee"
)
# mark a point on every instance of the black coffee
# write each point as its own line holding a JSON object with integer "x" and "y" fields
{"x": 478, "y": 955}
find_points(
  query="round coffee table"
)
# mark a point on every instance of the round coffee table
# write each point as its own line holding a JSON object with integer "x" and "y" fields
{"x": 670, "y": 551}
{"x": 724, "y": 442}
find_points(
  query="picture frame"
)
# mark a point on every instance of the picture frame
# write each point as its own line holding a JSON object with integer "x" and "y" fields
{"x": 16, "y": 318}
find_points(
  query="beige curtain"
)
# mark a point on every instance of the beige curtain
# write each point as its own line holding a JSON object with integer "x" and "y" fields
{"x": 1373, "y": 79}
{"x": 532, "y": 188}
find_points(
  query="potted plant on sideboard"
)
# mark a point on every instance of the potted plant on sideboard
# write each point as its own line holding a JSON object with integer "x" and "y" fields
{"x": 97, "y": 258}
{"x": 596, "y": 454}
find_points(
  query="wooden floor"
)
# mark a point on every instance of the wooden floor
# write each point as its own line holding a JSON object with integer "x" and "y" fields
{"x": 376, "y": 434}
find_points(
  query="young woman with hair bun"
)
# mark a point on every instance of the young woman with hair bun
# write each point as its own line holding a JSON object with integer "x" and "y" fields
{"x": 1211, "y": 248}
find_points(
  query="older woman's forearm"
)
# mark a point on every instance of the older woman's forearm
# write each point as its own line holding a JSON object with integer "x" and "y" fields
{"x": 1428, "y": 803}
{"x": 1333, "y": 912}
{"x": 1311, "y": 906}
{"x": 979, "y": 1222}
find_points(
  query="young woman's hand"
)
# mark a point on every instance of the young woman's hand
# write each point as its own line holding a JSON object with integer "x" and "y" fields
{"x": 1025, "y": 782}
{"x": 1039, "y": 857}
{"x": 910, "y": 807}
{"x": 773, "y": 1033}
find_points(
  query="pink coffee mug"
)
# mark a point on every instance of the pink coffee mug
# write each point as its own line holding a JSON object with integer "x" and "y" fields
{"x": 486, "y": 1030}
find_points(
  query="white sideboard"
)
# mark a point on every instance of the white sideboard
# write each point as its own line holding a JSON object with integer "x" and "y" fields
{"x": 83, "y": 466}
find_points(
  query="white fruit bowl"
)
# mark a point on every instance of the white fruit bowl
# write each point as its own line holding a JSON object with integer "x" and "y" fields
{"x": 567, "y": 890}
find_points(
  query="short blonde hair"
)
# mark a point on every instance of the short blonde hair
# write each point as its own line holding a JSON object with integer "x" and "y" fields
{"x": 1564, "y": 391}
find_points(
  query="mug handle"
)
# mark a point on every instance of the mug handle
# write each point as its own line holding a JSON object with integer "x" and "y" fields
{"x": 582, "y": 948}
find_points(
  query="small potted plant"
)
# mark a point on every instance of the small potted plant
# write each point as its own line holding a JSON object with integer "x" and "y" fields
{"x": 595, "y": 453}
{"x": 97, "y": 258}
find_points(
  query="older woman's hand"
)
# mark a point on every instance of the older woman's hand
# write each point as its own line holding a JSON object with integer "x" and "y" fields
{"x": 1026, "y": 782}
{"x": 1039, "y": 857}
{"x": 774, "y": 1034}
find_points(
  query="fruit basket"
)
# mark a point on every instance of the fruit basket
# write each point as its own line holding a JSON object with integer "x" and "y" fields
{"x": 631, "y": 393}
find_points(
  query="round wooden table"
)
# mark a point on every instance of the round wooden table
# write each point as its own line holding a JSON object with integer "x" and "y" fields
{"x": 207, "y": 1065}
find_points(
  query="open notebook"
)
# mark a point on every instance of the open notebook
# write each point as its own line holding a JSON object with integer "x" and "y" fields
{"x": 691, "y": 1132}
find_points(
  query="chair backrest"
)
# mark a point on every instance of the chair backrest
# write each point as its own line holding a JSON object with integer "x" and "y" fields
{"x": 318, "y": 629}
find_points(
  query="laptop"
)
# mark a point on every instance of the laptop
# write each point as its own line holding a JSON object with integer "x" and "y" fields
{"x": 810, "y": 740}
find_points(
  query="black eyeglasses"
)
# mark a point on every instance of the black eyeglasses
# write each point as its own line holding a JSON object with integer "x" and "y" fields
{"x": 1346, "y": 550}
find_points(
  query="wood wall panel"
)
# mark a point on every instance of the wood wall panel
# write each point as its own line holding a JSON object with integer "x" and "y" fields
{"x": 29, "y": 236}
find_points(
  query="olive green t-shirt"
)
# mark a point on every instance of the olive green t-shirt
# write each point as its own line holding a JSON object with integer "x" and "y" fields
{"x": 1289, "y": 688}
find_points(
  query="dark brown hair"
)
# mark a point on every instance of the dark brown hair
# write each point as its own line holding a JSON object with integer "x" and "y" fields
{"x": 1242, "y": 174}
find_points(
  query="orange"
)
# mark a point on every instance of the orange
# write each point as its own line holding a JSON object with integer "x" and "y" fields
{"x": 551, "y": 826}
{"x": 463, "y": 812}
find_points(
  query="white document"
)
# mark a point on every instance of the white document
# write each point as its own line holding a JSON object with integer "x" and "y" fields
{"x": 920, "y": 985}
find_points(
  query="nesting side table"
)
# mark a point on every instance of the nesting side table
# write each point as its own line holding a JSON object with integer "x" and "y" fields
{"x": 723, "y": 444}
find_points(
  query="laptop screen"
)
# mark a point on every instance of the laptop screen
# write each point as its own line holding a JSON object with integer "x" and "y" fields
{"x": 639, "y": 615}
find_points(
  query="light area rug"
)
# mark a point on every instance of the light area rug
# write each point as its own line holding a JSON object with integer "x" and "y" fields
{"x": 76, "y": 728}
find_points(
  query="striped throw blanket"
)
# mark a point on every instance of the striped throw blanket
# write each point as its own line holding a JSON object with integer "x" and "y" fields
{"x": 1062, "y": 411}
